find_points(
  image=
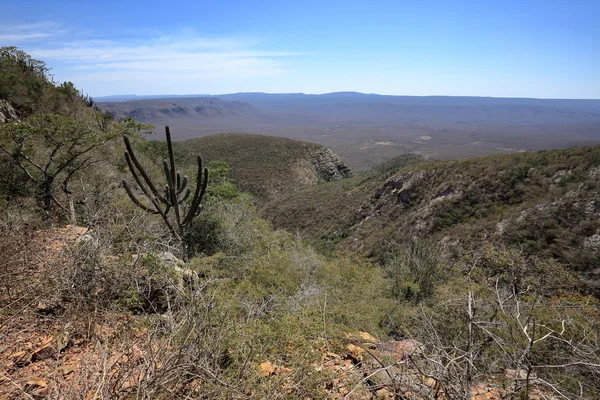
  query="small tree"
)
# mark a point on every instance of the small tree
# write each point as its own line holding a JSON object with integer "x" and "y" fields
{"x": 50, "y": 149}
{"x": 173, "y": 196}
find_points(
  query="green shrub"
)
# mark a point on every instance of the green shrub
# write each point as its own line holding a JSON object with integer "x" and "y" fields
{"x": 414, "y": 270}
{"x": 223, "y": 226}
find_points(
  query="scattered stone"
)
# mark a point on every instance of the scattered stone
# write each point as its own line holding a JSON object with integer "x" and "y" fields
{"x": 21, "y": 358}
{"x": 356, "y": 351}
{"x": 43, "y": 353}
{"x": 329, "y": 166}
{"x": 592, "y": 243}
{"x": 62, "y": 340}
{"x": 267, "y": 369}
{"x": 560, "y": 175}
{"x": 68, "y": 369}
{"x": 429, "y": 382}
{"x": 37, "y": 385}
{"x": 189, "y": 276}
{"x": 403, "y": 349}
{"x": 518, "y": 375}
{"x": 362, "y": 337}
{"x": 48, "y": 308}
{"x": 76, "y": 231}
{"x": 332, "y": 383}
{"x": 484, "y": 392}
{"x": 384, "y": 394}
{"x": 168, "y": 258}
{"x": 343, "y": 390}
{"x": 501, "y": 226}
{"x": 595, "y": 172}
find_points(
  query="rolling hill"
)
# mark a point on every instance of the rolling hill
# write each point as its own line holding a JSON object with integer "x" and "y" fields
{"x": 460, "y": 279}
{"x": 547, "y": 203}
{"x": 266, "y": 166}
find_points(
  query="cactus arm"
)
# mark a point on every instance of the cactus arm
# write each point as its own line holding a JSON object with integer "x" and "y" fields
{"x": 199, "y": 194}
{"x": 141, "y": 169}
{"x": 168, "y": 194}
{"x": 157, "y": 209}
{"x": 173, "y": 180}
{"x": 170, "y": 150}
{"x": 136, "y": 176}
{"x": 184, "y": 183}
{"x": 172, "y": 196}
{"x": 185, "y": 196}
{"x": 136, "y": 201}
{"x": 153, "y": 199}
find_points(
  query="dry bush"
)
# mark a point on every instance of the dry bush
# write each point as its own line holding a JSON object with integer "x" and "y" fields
{"x": 226, "y": 227}
{"x": 499, "y": 323}
{"x": 19, "y": 258}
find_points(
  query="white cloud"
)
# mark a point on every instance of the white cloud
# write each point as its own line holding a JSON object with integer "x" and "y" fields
{"x": 183, "y": 60}
{"x": 18, "y": 37}
{"x": 16, "y": 34}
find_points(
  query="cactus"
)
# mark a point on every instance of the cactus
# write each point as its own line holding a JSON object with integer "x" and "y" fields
{"x": 173, "y": 196}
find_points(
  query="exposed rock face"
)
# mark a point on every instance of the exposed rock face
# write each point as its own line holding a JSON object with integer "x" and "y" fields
{"x": 329, "y": 166}
{"x": 7, "y": 112}
{"x": 318, "y": 165}
{"x": 592, "y": 243}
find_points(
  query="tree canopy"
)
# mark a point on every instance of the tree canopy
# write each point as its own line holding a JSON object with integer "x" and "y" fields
{"x": 22, "y": 78}
{"x": 49, "y": 146}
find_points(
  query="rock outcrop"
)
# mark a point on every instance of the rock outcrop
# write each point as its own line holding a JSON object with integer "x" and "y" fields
{"x": 329, "y": 166}
{"x": 316, "y": 165}
{"x": 7, "y": 112}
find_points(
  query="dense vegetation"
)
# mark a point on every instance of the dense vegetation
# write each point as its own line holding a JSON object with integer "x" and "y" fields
{"x": 264, "y": 166}
{"x": 544, "y": 203}
{"x": 477, "y": 264}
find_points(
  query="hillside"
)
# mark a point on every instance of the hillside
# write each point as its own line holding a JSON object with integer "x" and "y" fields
{"x": 266, "y": 166}
{"x": 546, "y": 203}
{"x": 141, "y": 275}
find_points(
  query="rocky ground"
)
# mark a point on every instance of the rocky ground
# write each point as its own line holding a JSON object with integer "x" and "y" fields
{"x": 46, "y": 353}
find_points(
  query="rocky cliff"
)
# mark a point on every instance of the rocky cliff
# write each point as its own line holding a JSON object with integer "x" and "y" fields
{"x": 329, "y": 166}
{"x": 7, "y": 112}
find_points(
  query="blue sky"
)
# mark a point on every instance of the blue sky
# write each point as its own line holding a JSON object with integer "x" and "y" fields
{"x": 526, "y": 48}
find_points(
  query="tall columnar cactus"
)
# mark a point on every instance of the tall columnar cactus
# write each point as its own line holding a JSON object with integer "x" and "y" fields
{"x": 174, "y": 194}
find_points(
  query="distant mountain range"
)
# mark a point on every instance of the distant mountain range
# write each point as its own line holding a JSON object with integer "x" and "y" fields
{"x": 260, "y": 97}
{"x": 152, "y": 110}
{"x": 367, "y": 129}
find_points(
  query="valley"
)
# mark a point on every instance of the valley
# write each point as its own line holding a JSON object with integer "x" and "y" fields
{"x": 366, "y": 130}
{"x": 367, "y": 248}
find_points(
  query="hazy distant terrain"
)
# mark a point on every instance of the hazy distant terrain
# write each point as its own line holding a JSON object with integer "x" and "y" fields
{"x": 151, "y": 110}
{"x": 367, "y": 129}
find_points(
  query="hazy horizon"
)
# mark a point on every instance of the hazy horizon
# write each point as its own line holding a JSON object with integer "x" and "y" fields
{"x": 168, "y": 95}
{"x": 509, "y": 49}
